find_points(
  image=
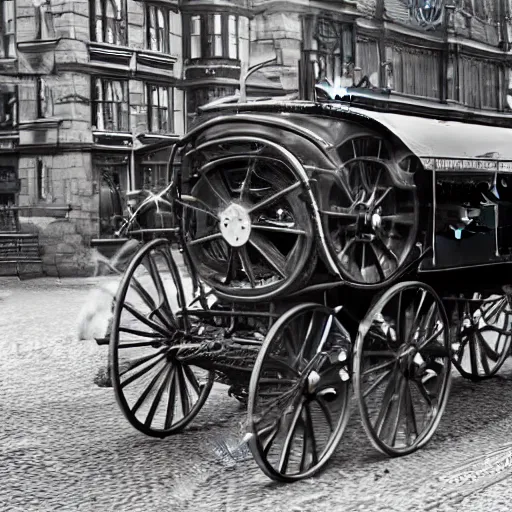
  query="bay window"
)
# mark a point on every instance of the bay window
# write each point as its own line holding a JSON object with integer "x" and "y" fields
{"x": 213, "y": 36}
{"x": 110, "y": 21}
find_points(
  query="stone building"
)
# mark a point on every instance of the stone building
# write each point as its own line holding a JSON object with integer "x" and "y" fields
{"x": 92, "y": 90}
{"x": 86, "y": 87}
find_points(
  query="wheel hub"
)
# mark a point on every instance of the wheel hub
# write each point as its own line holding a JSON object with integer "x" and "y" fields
{"x": 235, "y": 225}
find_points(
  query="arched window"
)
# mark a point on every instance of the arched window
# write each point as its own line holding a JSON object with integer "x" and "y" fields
{"x": 110, "y": 21}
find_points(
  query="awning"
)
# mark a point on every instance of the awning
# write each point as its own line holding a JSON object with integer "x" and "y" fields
{"x": 432, "y": 139}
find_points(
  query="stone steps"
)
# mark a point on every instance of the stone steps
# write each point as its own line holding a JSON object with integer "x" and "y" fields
{"x": 20, "y": 255}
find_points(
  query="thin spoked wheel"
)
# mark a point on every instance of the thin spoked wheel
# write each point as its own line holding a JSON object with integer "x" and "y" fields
{"x": 372, "y": 218}
{"x": 482, "y": 336}
{"x": 402, "y": 368}
{"x": 298, "y": 395}
{"x": 158, "y": 393}
{"x": 247, "y": 227}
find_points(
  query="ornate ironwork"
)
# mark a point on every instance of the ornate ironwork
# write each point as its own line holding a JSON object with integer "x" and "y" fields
{"x": 428, "y": 13}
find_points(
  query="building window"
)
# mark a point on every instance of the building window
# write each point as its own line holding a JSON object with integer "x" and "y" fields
{"x": 332, "y": 52}
{"x": 110, "y": 22}
{"x": 8, "y": 39}
{"x": 42, "y": 180}
{"x": 110, "y": 99}
{"x": 195, "y": 37}
{"x": 233, "y": 37}
{"x": 213, "y": 35}
{"x": 8, "y": 107}
{"x": 160, "y": 109}
{"x": 427, "y": 13}
{"x": 43, "y": 98}
{"x": 158, "y": 25}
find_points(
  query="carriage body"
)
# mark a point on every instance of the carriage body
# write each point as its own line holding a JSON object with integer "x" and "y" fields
{"x": 441, "y": 189}
{"x": 318, "y": 238}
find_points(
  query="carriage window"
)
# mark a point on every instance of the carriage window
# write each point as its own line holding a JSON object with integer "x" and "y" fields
{"x": 110, "y": 102}
{"x": 110, "y": 22}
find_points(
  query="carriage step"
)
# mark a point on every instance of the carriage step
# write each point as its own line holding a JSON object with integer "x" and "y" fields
{"x": 102, "y": 341}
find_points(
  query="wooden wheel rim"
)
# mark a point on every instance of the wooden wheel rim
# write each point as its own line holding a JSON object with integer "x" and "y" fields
{"x": 173, "y": 371}
{"x": 255, "y": 441}
{"x": 476, "y": 319}
{"x": 262, "y": 249}
{"x": 429, "y": 428}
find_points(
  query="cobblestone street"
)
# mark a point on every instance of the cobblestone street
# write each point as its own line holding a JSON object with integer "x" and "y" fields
{"x": 65, "y": 444}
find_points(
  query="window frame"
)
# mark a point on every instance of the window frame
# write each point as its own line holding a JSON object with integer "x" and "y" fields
{"x": 166, "y": 13}
{"x": 213, "y": 39}
{"x": 99, "y": 22}
{"x": 151, "y": 108}
{"x": 8, "y": 37}
{"x": 97, "y": 101}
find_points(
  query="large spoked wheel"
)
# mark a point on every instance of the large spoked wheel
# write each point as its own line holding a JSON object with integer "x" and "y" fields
{"x": 247, "y": 227}
{"x": 402, "y": 368}
{"x": 482, "y": 336}
{"x": 298, "y": 395}
{"x": 372, "y": 218}
{"x": 158, "y": 394}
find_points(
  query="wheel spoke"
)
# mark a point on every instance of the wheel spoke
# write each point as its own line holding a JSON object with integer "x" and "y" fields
{"x": 247, "y": 265}
{"x": 274, "y": 197}
{"x": 268, "y": 435}
{"x": 382, "y": 197}
{"x": 380, "y": 270}
{"x": 489, "y": 352}
{"x": 148, "y": 389}
{"x": 184, "y": 396}
{"x": 142, "y": 334}
{"x": 387, "y": 402}
{"x": 138, "y": 362}
{"x": 150, "y": 303}
{"x": 396, "y": 422}
{"x": 410, "y": 415}
{"x": 379, "y": 367}
{"x": 309, "y": 441}
{"x": 270, "y": 253}
{"x": 204, "y": 239}
{"x": 143, "y": 371}
{"x": 375, "y": 384}
{"x": 197, "y": 209}
{"x": 189, "y": 374}
{"x": 278, "y": 229}
{"x": 244, "y": 190}
{"x": 148, "y": 322}
{"x": 158, "y": 397}
{"x": 472, "y": 354}
{"x": 287, "y": 445}
{"x": 169, "y": 414}
{"x": 326, "y": 412}
{"x": 218, "y": 187}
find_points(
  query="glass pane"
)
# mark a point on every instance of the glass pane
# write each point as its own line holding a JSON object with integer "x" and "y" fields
{"x": 218, "y": 46}
{"x": 195, "y": 47}
{"x": 195, "y": 26}
{"x": 217, "y": 24}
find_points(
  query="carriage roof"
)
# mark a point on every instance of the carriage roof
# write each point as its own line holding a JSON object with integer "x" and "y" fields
{"x": 441, "y": 137}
